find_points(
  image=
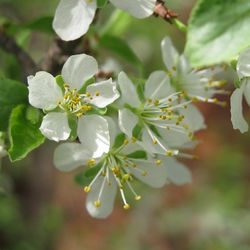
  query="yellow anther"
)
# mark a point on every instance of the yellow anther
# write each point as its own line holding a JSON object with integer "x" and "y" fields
{"x": 91, "y": 162}
{"x": 169, "y": 153}
{"x": 88, "y": 94}
{"x": 126, "y": 206}
{"x": 103, "y": 173}
{"x": 134, "y": 165}
{"x": 97, "y": 93}
{"x": 156, "y": 102}
{"x": 137, "y": 197}
{"x": 87, "y": 189}
{"x": 155, "y": 141}
{"x": 149, "y": 100}
{"x": 97, "y": 203}
{"x": 126, "y": 177}
{"x": 195, "y": 99}
{"x": 158, "y": 162}
{"x": 133, "y": 140}
{"x": 66, "y": 85}
{"x": 170, "y": 99}
{"x": 144, "y": 173}
{"x": 126, "y": 142}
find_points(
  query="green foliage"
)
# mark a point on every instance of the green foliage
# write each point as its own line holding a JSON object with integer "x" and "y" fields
{"x": 140, "y": 154}
{"x": 119, "y": 140}
{"x": 24, "y": 132}
{"x": 118, "y": 23}
{"x": 18, "y": 233}
{"x": 120, "y": 48}
{"x": 84, "y": 178}
{"x": 218, "y": 31}
{"x": 42, "y": 24}
{"x": 137, "y": 131}
{"x": 101, "y": 3}
{"x": 12, "y": 94}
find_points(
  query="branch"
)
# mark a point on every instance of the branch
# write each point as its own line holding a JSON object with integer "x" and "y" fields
{"x": 162, "y": 11}
{"x": 9, "y": 45}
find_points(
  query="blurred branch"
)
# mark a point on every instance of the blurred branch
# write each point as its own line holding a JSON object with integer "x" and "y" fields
{"x": 9, "y": 45}
{"x": 60, "y": 51}
{"x": 162, "y": 11}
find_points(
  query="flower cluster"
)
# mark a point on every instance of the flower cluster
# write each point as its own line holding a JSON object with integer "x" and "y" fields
{"x": 243, "y": 71}
{"x": 123, "y": 130}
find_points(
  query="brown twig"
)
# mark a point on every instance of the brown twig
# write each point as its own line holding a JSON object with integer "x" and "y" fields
{"x": 162, "y": 11}
{"x": 9, "y": 45}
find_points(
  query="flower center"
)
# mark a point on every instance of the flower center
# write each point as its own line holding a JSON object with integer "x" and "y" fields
{"x": 74, "y": 103}
{"x": 121, "y": 169}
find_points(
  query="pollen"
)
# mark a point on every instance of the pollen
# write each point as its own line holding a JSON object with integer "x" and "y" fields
{"x": 97, "y": 93}
{"x": 91, "y": 162}
{"x": 169, "y": 153}
{"x": 155, "y": 141}
{"x": 158, "y": 162}
{"x": 126, "y": 142}
{"x": 87, "y": 189}
{"x": 137, "y": 197}
{"x": 97, "y": 203}
{"x": 126, "y": 206}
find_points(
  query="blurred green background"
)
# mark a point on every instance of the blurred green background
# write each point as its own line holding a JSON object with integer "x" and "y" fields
{"x": 41, "y": 208}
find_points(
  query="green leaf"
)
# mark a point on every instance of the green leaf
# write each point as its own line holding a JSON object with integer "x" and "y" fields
{"x": 24, "y": 134}
{"x": 42, "y": 24}
{"x": 101, "y": 3}
{"x": 120, "y": 48}
{"x": 118, "y": 24}
{"x": 119, "y": 140}
{"x": 12, "y": 93}
{"x": 218, "y": 31}
{"x": 84, "y": 178}
{"x": 140, "y": 154}
{"x": 137, "y": 131}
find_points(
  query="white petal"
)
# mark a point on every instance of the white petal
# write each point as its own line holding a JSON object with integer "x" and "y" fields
{"x": 69, "y": 156}
{"x": 72, "y": 18}
{"x": 107, "y": 93}
{"x": 177, "y": 173}
{"x": 158, "y": 86}
{"x": 193, "y": 118}
{"x": 243, "y": 65}
{"x": 79, "y": 68}
{"x": 128, "y": 90}
{"x": 106, "y": 199}
{"x": 44, "y": 93}
{"x": 113, "y": 128}
{"x": 137, "y": 8}
{"x": 237, "y": 118}
{"x": 169, "y": 53}
{"x": 93, "y": 132}
{"x": 156, "y": 175}
{"x": 55, "y": 126}
{"x": 149, "y": 146}
{"x": 127, "y": 121}
{"x": 247, "y": 91}
{"x": 174, "y": 139}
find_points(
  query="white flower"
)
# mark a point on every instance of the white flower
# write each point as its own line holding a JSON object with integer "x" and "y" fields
{"x": 160, "y": 121}
{"x": 117, "y": 162}
{"x": 45, "y": 93}
{"x": 243, "y": 70}
{"x": 196, "y": 84}
{"x": 73, "y": 17}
